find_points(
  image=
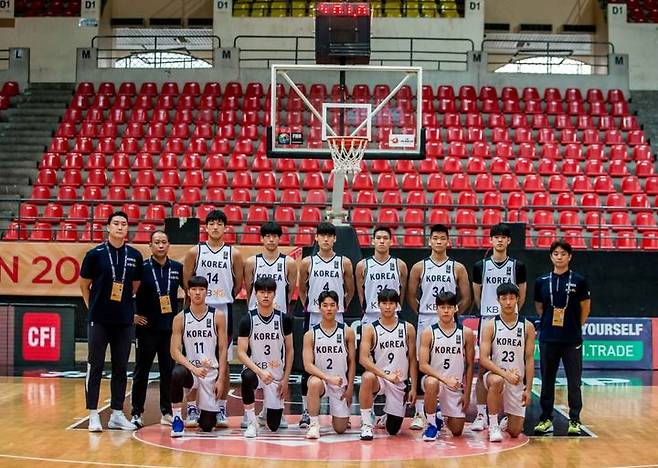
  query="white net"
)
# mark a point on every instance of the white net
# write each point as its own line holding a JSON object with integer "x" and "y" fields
{"x": 347, "y": 152}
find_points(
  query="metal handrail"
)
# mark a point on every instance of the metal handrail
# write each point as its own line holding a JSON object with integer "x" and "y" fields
{"x": 155, "y": 38}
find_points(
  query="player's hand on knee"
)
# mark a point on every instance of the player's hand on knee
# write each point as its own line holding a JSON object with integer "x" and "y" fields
{"x": 266, "y": 377}
{"x": 200, "y": 372}
{"x": 512, "y": 377}
{"x": 453, "y": 383}
{"x": 393, "y": 377}
{"x": 335, "y": 380}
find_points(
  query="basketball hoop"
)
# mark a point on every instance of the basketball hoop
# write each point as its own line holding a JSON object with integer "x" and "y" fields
{"x": 347, "y": 152}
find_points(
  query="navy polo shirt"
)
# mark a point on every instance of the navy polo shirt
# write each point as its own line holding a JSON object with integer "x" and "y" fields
{"x": 148, "y": 300}
{"x": 97, "y": 268}
{"x": 578, "y": 291}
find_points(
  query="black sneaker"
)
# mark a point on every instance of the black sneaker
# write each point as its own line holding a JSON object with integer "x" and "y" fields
{"x": 305, "y": 420}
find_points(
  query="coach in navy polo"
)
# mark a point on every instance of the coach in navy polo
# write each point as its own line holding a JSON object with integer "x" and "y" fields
{"x": 157, "y": 304}
{"x": 109, "y": 276}
{"x": 562, "y": 300}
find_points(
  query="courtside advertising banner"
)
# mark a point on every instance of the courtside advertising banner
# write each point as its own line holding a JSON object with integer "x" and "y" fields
{"x": 53, "y": 269}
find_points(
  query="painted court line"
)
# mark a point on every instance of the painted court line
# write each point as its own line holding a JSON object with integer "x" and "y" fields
{"x": 82, "y": 462}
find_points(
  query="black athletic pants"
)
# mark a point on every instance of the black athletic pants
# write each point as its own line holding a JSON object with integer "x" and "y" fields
{"x": 149, "y": 343}
{"x": 248, "y": 387}
{"x": 119, "y": 337}
{"x": 571, "y": 355}
{"x": 181, "y": 378}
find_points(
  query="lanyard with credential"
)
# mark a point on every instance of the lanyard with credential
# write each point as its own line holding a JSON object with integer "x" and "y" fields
{"x": 157, "y": 282}
{"x": 114, "y": 272}
{"x": 558, "y": 312}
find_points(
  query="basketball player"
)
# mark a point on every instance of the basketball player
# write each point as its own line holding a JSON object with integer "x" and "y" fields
{"x": 201, "y": 331}
{"x": 507, "y": 351}
{"x": 428, "y": 278}
{"x": 329, "y": 357}
{"x": 222, "y": 266}
{"x": 380, "y": 271}
{"x": 265, "y": 350}
{"x": 273, "y": 264}
{"x": 446, "y": 355}
{"x": 488, "y": 273}
{"x": 324, "y": 271}
{"x": 388, "y": 354}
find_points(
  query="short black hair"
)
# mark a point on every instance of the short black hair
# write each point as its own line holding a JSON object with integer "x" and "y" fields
{"x": 506, "y": 288}
{"x": 216, "y": 215}
{"x": 197, "y": 282}
{"x": 326, "y": 228}
{"x": 439, "y": 228}
{"x": 388, "y": 295}
{"x": 446, "y": 298}
{"x": 561, "y": 243}
{"x": 500, "y": 229}
{"x": 386, "y": 229}
{"x": 159, "y": 231}
{"x": 115, "y": 214}
{"x": 265, "y": 283}
{"x": 328, "y": 294}
{"x": 271, "y": 227}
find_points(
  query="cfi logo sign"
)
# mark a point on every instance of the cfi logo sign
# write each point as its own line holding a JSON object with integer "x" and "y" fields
{"x": 41, "y": 336}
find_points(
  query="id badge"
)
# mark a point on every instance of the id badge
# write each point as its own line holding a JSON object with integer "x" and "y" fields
{"x": 165, "y": 305}
{"x": 558, "y": 316}
{"x": 117, "y": 291}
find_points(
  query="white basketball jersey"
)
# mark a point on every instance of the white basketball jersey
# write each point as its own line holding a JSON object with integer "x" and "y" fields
{"x": 330, "y": 351}
{"x": 390, "y": 349}
{"x": 508, "y": 346}
{"x": 267, "y": 342}
{"x": 494, "y": 275}
{"x": 325, "y": 276}
{"x": 447, "y": 351}
{"x": 200, "y": 338}
{"x": 217, "y": 268}
{"x": 276, "y": 271}
{"x": 378, "y": 276}
{"x": 434, "y": 280}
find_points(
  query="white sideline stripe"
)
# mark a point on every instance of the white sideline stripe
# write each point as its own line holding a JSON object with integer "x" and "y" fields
{"x": 81, "y": 462}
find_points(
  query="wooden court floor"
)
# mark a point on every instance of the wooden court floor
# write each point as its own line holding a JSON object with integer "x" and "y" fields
{"x": 36, "y": 412}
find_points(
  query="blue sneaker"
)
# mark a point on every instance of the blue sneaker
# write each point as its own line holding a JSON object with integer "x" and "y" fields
{"x": 430, "y": 433}
{"x": 177, "y": 427}
{"x": 439, "y": 424}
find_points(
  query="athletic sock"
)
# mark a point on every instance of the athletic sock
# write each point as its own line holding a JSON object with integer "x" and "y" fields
{"x": 482, "y": 409}
{"x": 304, "y": 403}
{"x": 315, "y": 419}
{"x": 431, "y": 418}
{"x": 222, "y": 403}
{"x": 438, "y": 412}
{"x": 251, "y": 415}
{"x": 366, "y": 417}
{"x": 420, "y": 406}
{"x": 493, "y": 421}
{"x": 177, "y": 412}
{"x": 93, "y": 412}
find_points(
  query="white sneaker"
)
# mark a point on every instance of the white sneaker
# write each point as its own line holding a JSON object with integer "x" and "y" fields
{"x": 418, "y": 423}
{"x": 136, "y": 420}
{"x": 95, "y": 423}
{"x": 193, "y": 414}
{"x": 119, "y": 421}
{"x": 313, "y": 431}
{"x": 366, "y": 432}
{"x": 252, "y": 430}
{"x": 166, "y": 419}
{"x": 222, "y": 420}
{"x": 284, "y": 422}
{"x": 381, "y": 421}
{"x": 480, "y": 423}
{"x": 245, "y": 421}
{"x": 495, "y": 435}
{"x": 503, "y": 424}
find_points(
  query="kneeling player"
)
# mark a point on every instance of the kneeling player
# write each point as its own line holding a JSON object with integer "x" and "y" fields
{"x": 392, "y": 344}
{"x": 446, "y": 358}
{"x": 265, "y": 349}
{"x": 507, "y": 350}
{"x": 201, "y": 331}
{"x": 329, "y": 358}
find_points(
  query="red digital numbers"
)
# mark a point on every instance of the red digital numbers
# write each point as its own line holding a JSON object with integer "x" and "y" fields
{"x": 342, "y": 9}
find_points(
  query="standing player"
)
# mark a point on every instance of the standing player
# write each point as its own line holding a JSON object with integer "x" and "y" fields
{"x": 329, "y": 357}
{"x": 507, "y": 351}
{"x": 324, "y": 271}
{"x": 488, "y": 274}
{"x": 388, "y": 354}
{"x": 201, "y": 331}
{"x": 428, "y": 278}
{"x": 222, "y": 266}
{"x": 380, "y": 271}
{"x": 265, "y": 350}
{"x": 272, "y": 264}
{"x": 446, "y": 355}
